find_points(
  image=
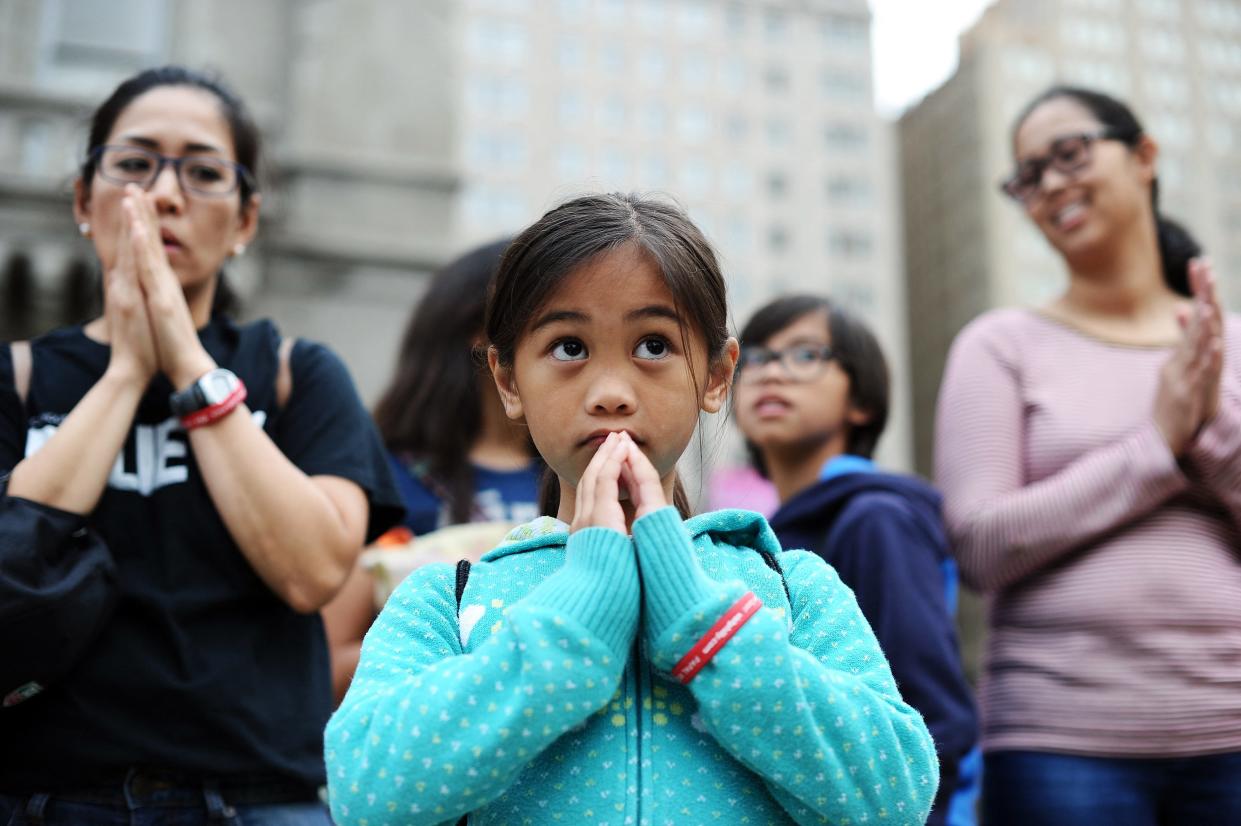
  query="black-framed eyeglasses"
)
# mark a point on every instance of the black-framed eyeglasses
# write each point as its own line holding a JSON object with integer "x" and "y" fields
{"x": 802, "y": 362}
{"x": 1068, "y": 155}
{"x": 203, "y": 175}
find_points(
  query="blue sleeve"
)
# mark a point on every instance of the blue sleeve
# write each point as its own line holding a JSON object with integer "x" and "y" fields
{"x": 813, "y": 711}
{"x": 893, "y": 567}
{"x": 422, "y": 715}
{"x": 325, "y": 430}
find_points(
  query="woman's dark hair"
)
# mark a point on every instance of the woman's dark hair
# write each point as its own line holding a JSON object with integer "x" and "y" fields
{"x": 246, "y": 142}
{"x": 432, "y": 409}
{"x": 855, "y": 349}
{"x": 539, "y": 260}
{"x": 1176, "y": 245}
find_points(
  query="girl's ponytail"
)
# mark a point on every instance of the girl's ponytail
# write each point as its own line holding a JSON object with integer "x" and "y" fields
{"x": 549, "y": 495}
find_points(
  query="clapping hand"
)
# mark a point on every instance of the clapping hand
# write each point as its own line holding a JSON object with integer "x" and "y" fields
{"x": 1189, "y": 382}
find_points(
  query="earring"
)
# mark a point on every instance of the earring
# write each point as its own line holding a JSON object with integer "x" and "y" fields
{"x": 84, "y": 228}
{"x": 239, "y": 250}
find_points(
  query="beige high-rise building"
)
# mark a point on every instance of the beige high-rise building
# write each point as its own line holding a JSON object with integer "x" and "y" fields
{"x": 1176, "y": 62}
{"x": 756, "y": 115}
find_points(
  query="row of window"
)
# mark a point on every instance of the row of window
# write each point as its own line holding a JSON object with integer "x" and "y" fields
{"x": 506, "y": 40}
{"x": 691, "y": 124}
{"x": 699, "y": 18}
{"x": 693, "y": 176}
{"x": 504, "y": 207}
{"x": 1166, "y": 44}
{"x": 697, "y": 71}
{"x": 1210, "y": 14}
{"x": 504, "y": 99}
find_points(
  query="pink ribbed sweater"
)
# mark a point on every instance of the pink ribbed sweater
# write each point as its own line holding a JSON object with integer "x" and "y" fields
{"x": 1114, "y": 572}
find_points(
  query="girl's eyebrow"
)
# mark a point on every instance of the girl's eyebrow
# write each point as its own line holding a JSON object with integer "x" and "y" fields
{"x": 558, "y": 315}
{"x": 652, "y": 311}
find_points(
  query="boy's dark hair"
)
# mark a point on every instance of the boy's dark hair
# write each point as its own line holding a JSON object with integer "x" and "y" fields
{"x": 1176, "y": 245}
{"x": 554, "y": 247}
{"x": 246, "y": 141}
{"x": 432, "y": 407}
{"x": 856, "y": 350}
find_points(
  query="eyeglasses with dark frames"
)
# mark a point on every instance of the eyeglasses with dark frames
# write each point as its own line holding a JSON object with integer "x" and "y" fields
{"x": 1069, "y": 155}
{"x": 204, "y": 175}
{"x": 801, "y": 362}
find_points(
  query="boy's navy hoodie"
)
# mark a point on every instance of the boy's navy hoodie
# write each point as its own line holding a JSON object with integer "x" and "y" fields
{"x": 883, "y": 534}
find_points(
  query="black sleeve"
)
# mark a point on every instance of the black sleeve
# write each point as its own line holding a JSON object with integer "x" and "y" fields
{"x": 325, "y": 430}
{"x": 893, "y": 567}
{"x": 12, "y": 417}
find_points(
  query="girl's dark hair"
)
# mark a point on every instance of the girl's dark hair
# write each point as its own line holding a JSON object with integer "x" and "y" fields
{"x": 1176, "y": 245}
{"x": 539, "y": 260}
{"x": 856, "y": 350}
{"x": 246, "y": 142}
{"x": 431, "y": 410}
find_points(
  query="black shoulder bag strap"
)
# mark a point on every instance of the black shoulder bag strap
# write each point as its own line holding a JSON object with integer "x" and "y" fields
{"x": 463, "y": 576}
{"x": 768, "y": 557}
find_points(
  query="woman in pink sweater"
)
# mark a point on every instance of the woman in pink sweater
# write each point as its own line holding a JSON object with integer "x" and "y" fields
{"x": 1089, "y": 453}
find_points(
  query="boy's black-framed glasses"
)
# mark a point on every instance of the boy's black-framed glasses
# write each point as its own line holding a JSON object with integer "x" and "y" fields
{"x": 1068, "y": 155}
{"x": 204, "y": 175}
{"x": 801, "y": 362}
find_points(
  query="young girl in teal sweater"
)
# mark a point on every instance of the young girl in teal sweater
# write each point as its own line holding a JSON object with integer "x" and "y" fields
{"x": 614, "y": 662}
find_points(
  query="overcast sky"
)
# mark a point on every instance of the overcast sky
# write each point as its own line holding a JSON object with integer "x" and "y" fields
{"x": 916, "y": 47}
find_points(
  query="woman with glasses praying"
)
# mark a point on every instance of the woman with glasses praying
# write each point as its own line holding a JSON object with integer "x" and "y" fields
{"x": 1089, "y": 453}
{"x": 233, "y": 476}
{"x": 812, "y": 392}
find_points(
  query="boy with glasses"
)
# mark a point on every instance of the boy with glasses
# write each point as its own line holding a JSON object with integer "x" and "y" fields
{"x": 812, "y": 401}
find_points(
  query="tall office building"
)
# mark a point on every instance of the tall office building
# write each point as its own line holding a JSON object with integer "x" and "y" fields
{"x": 357, "y": 104}
{"x": 757, "y": 116}
{"x": 1177, "y": 62}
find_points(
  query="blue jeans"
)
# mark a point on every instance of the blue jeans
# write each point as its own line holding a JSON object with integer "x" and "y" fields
{"x": 1027, "y": 788}
{"x": 146, "y": 799}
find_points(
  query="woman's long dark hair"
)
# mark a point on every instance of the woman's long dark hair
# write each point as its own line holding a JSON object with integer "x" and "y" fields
{"x": 539, "y": 260}
{"x": 432, "y": 409}
{"x": 246, "y": 142}
{"x": 1176, "y": 245}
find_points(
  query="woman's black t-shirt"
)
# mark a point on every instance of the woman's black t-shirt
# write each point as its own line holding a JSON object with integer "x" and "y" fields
{"x": 202, "y": 669}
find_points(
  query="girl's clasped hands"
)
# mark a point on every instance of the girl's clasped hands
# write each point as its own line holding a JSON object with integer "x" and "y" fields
{"x": 618, "y": 472}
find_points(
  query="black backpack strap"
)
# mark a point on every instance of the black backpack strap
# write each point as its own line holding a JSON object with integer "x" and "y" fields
{"x": 768, "y": 557}
{"x": 463, "y": 576}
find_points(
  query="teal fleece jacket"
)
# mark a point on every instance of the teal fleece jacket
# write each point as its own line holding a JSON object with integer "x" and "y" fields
{"x": 548, "y": 700}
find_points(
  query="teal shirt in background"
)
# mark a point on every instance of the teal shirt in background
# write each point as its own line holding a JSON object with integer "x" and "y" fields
{"x": 548, "y": 699}
{"x": 845, "y": 463}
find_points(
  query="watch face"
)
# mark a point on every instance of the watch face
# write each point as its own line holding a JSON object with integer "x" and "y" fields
{"x": 216, "y": 386}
